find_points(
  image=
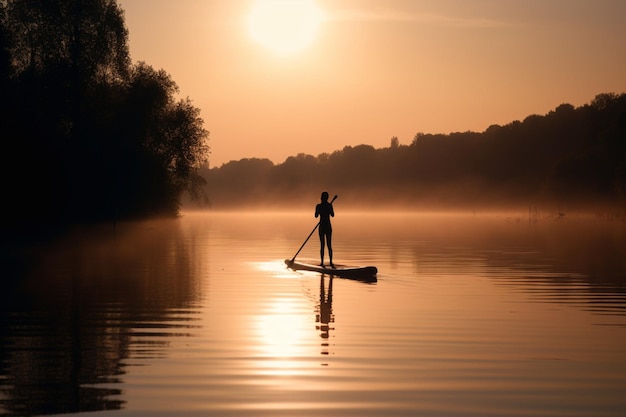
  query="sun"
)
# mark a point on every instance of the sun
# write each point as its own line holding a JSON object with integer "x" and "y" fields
{"x": 284, "y": 26}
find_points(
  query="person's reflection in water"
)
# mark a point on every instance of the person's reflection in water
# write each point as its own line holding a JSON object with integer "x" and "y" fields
{"x": 325, "y": 312}
{"x": 324, "y": 210}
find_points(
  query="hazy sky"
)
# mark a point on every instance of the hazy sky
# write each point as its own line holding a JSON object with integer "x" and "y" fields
{"x": 375, "y": 69}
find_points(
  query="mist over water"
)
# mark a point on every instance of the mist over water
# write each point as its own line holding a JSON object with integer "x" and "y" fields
{"x": 472, "y": 315}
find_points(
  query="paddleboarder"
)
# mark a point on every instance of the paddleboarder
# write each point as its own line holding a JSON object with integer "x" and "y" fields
{"x": 324, "y": 210}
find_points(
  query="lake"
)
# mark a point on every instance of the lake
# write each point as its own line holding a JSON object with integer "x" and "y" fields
{"x": 471, "y": 315}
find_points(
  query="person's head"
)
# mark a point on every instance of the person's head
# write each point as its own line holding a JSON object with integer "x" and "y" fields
{"x": 324, "y": 196}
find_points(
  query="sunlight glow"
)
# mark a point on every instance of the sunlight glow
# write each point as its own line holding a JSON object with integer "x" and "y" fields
{"x": 284, "y": 26}
{"x": 283, "y": 330}
{"x": 277, "y": 268}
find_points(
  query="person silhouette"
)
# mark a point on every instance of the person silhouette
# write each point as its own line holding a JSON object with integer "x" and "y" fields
{"x": 324, "y": 210}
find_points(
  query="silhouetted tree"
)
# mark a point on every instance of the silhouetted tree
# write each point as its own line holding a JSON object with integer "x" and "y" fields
{"x": 88, "y": 136}
{"x": 160, "y": 144}
{"x": 573, "y": 156}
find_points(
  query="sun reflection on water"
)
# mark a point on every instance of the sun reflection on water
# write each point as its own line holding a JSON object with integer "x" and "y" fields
{"x": 277, "y": 268}
{"x": 283, "y": 334}
{"x": 502, "y": 318}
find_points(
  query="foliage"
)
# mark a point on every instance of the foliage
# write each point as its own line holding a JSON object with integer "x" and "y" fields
{"x": 570, "y": 157}
{"x": 87, "y": 135}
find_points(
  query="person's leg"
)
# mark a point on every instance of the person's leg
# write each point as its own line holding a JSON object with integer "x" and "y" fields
{"x": 321, "y": 233}
{"x": 329, "y": 243}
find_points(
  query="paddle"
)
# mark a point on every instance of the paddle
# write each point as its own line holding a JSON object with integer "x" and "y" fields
{"x": 310, "y": 234}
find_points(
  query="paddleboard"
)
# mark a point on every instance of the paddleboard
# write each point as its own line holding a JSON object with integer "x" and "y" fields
{"x": 362, "y": 273}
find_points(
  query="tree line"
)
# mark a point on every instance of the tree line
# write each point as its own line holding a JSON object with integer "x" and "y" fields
{"x": 88, "y": 135}
{"x": 571, "y": 158}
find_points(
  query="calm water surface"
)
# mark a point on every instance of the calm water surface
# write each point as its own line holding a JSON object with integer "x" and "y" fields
{"x": 471, "y": 316}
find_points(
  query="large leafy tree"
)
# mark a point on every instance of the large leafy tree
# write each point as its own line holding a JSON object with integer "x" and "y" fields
{"x": 88, "y": 135}
{"x": 89, "y": 36}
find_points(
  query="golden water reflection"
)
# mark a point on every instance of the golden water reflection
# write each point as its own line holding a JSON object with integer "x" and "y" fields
{"x": 290, "y": 328}
{"x": 74, "y": 318}
{"x": 200, "y": 316}
{"x": 282, "y": 329}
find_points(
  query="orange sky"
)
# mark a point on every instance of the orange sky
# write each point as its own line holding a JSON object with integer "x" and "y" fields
{"x": 379, "y": 68}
